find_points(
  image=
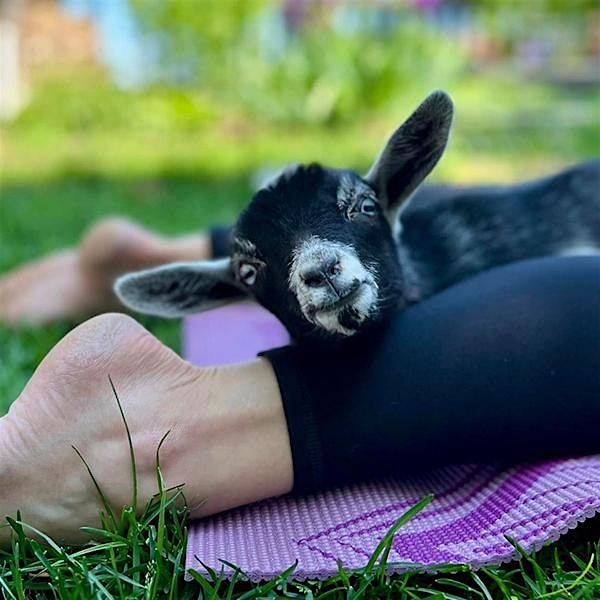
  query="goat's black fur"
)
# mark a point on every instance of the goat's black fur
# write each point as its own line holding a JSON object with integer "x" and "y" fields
{"x": 331, "y": 253}
{"x": 301, "y": 204}
{"x": 448, "y": 233}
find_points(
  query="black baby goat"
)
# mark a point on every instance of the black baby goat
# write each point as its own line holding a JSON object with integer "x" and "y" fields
{"x": 330, "y": 252}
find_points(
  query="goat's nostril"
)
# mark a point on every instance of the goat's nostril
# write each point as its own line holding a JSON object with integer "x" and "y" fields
{"x": 319, "y": 276}
{"x": 335, "y": 268}
{"x": 314, "y": 279}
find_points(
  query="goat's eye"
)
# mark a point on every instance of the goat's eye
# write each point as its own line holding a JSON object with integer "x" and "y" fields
{"x": 362, "y": 206}
{"x": 248, "y": 273}
{"x": 368, "y": 206}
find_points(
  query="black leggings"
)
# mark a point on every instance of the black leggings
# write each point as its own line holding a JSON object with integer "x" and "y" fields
{"x": 502, "y": 367}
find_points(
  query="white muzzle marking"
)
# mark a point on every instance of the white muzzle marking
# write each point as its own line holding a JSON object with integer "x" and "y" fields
{"x": 345, "y": 302}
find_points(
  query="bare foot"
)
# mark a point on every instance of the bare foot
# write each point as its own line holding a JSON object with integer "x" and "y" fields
{"x": 228, "y": 441}
{"x": 77, "y": 283}
{"x": 52, "y": 288}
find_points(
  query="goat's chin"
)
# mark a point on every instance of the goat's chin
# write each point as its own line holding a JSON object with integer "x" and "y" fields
{"x": 330, "y": 323}
{"x": 348, "y": 320}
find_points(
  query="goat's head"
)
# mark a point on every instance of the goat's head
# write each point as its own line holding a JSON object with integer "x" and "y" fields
{"x": 316, "y": 246}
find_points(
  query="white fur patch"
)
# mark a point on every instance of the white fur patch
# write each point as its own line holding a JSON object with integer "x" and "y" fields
{"x": 363, "y": 304}
{"x": 353, "y": 275}
{"x": 346, "y": 192}
{"x": 329, "y": 321}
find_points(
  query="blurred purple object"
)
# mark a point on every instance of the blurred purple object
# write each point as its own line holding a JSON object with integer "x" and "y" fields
{"x": 294, "y": 13}
{"x": 231, "y": 334}
{"x": 426, "y": 4}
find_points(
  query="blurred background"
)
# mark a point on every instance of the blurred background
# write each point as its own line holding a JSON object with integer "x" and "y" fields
{"x": 168, "y": 110}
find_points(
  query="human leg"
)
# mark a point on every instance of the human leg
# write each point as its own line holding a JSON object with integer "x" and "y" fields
{"x": 504, "y": 367}
{"x": 501, "y": 367}
{"x": 227, "y": 443}
{"x": 78, "y": 282}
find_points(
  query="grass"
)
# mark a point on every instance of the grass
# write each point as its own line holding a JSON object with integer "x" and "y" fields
{"x": 142, "y": 556}
{"x": 503, "y": 130}
{"x": 40, "y": 217}
{"x": 178, "y": 173}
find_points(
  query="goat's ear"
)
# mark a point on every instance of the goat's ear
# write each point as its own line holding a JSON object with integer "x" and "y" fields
{"x": 412, "y": 151}
{"x": 180, "y": 288}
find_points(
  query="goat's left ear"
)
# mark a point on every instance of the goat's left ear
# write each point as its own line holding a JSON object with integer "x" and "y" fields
{"x": 412, "y": 151}
{"x": 179, "y": 289}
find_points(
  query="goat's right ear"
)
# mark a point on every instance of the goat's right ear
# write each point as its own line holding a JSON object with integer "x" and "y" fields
{"x": 412, "y": 151}
{"x": 179, "y": 289}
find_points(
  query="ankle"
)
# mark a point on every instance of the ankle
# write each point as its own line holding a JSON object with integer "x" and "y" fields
{"x": 114, "y": 245}
{"x": 195, "y": 246}
{"x": 240, "y": 452}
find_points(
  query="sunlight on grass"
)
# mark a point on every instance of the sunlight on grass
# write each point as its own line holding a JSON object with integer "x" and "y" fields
{"x": 524, "y": 129}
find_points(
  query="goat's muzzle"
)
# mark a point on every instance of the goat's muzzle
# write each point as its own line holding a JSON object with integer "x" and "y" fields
{"x": 335, "y": 291}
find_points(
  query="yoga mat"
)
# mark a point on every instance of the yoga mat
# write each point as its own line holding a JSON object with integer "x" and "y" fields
{"x": 475, "y": 506}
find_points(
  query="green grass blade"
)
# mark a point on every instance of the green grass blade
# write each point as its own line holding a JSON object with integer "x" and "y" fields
{"x": 4, "y": 586}
{"x": 59, "y": 551}
{"x": 566, "y": 590}
{"x": 209, "y": 591}
{"x": 264, "y": 589}
{"x": 482, "y": 586}
{"x": 103, "y": 498}
{"x": 16, "y": 572}
{"x": 385, "y": 544}
{"x": 134, "y": 479}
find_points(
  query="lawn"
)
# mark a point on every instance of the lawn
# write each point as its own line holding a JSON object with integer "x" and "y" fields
{"x": 40, "y": 217}
{"x": 59, "y": 177}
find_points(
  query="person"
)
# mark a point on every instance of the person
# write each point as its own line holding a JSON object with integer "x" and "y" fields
{"x": 504, "y": 366}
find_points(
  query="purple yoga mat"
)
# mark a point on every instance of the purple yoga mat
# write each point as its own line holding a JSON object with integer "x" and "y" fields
{"x": 474, "y": 509}
{"x": 231, "y": 334}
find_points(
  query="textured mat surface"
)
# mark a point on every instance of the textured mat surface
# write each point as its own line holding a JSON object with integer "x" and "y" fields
{"x": 474, "y": 509}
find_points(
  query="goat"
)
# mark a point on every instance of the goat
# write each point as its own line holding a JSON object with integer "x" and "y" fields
{"x": 331, "y": 253}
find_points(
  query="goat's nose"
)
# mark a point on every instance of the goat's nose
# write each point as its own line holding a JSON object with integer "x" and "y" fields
{"x": 319, "y": 275}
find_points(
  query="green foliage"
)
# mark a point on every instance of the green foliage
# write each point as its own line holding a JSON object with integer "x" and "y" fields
{"x": 503, "y": 130}
{"x": 86, "y": 101}
{"x": 196, "y": 29}
{"x": 330, "y": 77}
{"x": 331, "y": 69}
{"x": 543, "y": 7}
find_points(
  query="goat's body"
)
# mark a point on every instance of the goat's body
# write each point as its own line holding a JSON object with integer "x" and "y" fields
{"x": 448, "y": 233}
